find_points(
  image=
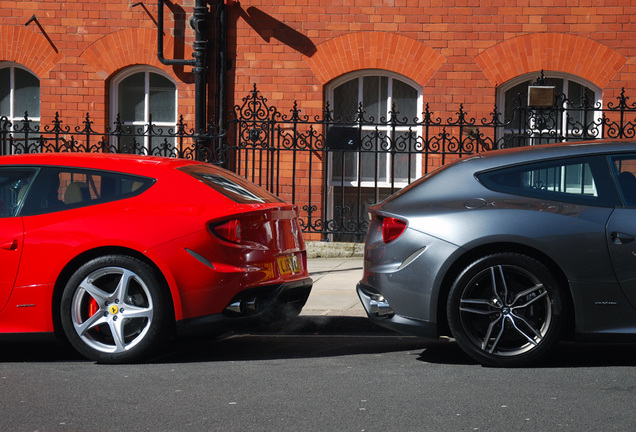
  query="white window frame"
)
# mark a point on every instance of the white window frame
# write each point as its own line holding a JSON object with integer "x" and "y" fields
{"x": 386, "y": 129}
{"x": 114, "y": 101}
{"x": 12, "y": 116}
{"x": 532, "y": 77}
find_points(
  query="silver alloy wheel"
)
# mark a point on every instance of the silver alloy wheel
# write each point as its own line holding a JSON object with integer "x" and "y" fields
{"x": 505, "y": 310}
{"x": 112, "y": 310}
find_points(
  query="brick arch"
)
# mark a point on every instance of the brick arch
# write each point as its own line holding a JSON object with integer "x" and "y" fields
{"x": 29, "y": 49}
{"x": 374, "y": 50}
{"x": 125, "y": 48}
{"x": 572, "y": 54}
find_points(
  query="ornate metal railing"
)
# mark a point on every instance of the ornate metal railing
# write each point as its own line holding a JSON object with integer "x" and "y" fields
{"x": 334, "y": 167}
{"x": 28, "y": 136}
{"x": 331, "y": 167}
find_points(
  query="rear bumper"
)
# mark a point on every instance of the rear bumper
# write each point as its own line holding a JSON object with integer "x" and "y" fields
{"x": 251, "y": 307}
{"x": 380, "y": 312}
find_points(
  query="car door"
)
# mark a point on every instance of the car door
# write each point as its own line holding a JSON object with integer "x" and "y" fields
{"x": 621, "y": 227}
{"x": 14, "y": 186}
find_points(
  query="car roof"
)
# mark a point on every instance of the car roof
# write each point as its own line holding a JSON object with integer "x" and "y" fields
{"x": 512, "y": 156}
{"x": 132, "y": 164}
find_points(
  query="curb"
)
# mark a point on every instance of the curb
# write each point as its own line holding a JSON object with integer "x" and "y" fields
{"x": 319, "y": 249}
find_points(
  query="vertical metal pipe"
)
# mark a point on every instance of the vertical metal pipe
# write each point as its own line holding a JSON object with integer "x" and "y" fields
{"x": 199, "y": 25}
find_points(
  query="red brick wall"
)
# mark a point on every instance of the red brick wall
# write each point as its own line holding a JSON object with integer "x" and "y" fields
{"x": 76, "y": 47}
{"x": 458, "y": 50}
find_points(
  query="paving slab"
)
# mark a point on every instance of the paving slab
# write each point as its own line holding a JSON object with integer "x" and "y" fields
{"x": 334, "y": 290}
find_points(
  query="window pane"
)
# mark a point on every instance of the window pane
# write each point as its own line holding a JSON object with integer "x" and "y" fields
{"x": 347, "y": 161}
{"x": 405, "y": 158}
{"x": 626, "y": 170}
{"x": 57, "y": 189}
{"x": 345, "y": 100}
{"x": 374, "y": 97}
{"x": 5, "y": 92}
{"x": 581, "y": 181}
{"x": 26, "y": 93}
{"x": 131, "y": 93}
{"x": 405, "y": 100}
{"x": 374, "y": 162}
{"x": 14, "y": 183}
{"x": 513, "y": 100}
{"x": 162, "y": 99}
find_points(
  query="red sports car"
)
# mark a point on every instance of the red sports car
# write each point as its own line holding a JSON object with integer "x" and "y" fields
{"x": 116, "y": 253}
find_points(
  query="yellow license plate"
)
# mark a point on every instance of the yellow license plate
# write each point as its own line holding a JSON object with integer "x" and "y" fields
{"x": 288, "y": 265}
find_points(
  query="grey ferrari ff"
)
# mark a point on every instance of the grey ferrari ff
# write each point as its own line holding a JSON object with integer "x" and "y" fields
{"x": 510, "y": 251}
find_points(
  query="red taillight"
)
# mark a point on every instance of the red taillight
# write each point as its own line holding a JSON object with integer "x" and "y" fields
{"x": 392, "y": 228}
{"x": 230, "y": 231}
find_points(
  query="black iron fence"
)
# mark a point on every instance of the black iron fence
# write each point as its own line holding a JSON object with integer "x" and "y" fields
{"x": 333, "y": 168}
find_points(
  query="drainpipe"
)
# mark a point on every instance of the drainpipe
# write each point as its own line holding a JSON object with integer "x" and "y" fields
{"x": 222, "y": 65}
{"x": 198, "y": 23}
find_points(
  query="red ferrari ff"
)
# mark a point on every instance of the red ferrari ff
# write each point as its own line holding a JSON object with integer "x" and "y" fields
{"x": 116, "y": 253}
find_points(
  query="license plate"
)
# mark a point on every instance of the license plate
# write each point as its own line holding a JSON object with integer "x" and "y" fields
{"x": 288, "y": 265}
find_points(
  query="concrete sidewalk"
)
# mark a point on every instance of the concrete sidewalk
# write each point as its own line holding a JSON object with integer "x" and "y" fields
{"x": 334, "y": 290}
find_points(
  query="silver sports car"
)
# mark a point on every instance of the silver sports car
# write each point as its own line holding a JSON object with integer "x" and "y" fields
{"x": 510, "y": 251}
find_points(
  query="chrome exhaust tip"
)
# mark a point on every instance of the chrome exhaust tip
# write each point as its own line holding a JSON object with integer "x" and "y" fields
{"x": 234, "y": 307}
{"x": 245, "y": 306}
{"x": 251, "y": 305}
{"x": 380, "y": 307}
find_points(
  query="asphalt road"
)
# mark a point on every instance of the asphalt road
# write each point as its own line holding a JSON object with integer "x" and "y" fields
{"x": 322, "y": 374}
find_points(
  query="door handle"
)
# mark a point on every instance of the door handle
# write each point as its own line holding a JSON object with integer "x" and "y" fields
{"x": 621, "y": 238}
{"x": 11, "y": 245}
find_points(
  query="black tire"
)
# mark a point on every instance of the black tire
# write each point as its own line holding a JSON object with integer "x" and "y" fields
{"x": 114, "y": 310}
{"x": 505, "y": 310}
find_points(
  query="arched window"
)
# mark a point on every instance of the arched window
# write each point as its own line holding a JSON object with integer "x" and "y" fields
{"x": 378, "y": 93}
{"x": 372, "y": 159}
{"x": 143, "y": 95}
{"x": 568, "y": 116}
{"x": 19, "y": 94}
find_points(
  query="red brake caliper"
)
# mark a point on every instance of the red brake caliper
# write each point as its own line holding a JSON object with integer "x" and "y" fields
{"x": 93, "y": 307}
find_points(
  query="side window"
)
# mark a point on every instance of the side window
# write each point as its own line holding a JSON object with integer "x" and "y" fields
{"x": 625, "y": 171}
{"x": 581, "y": 181}
{"x": 14, "y": 184}
{"x": 56, "y": 189}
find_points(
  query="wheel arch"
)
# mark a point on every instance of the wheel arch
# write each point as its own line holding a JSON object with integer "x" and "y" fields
{"x": 502, "y": 247}
{"x": 73, "y": 265}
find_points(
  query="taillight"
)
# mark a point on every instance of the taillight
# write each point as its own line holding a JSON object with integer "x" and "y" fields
{"x": 229, "y": 231}
{"x": 392, "y": 228}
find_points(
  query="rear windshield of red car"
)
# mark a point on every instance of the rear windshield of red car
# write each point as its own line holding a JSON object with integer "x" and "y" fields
{"x": 231, "y": 185}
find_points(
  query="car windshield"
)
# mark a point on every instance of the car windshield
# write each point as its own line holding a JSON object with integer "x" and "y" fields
{"x": 231, "y": 185}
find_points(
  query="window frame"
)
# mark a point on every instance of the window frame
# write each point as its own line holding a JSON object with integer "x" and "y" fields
{"x": 532, "y": 77}
{"x": 386, "y": 129}
{"x": 114, "y": 101}
{"x": 12, "y": 116}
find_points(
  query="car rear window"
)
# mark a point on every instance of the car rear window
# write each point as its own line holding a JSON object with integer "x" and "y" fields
{"x": 231, "y": 185}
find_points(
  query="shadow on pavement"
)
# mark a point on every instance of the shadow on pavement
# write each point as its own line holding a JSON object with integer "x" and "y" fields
{"x": 565, "y": 355}
{"x": 321, "y": 336}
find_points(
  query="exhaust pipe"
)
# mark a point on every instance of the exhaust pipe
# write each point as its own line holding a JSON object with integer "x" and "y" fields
{"x": 248, "y": 306}
{"x": 380, "y": 307}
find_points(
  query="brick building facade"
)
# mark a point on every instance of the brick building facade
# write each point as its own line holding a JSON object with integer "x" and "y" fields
{"x": 93, "y": 57}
